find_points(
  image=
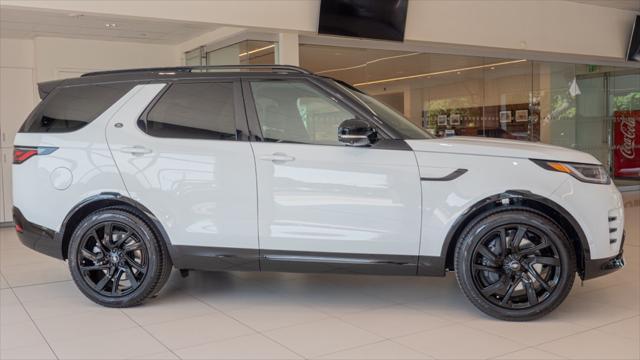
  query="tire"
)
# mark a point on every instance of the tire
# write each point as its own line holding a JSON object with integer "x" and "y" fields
{"x": 116, "y": 259}
{"x": 169, "y": 265}
{"x": 515, "y": 264}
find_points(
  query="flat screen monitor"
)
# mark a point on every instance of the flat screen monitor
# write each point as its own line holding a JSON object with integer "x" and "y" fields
{"x": 379, "y": 19}
{"x": 633, "y": 53}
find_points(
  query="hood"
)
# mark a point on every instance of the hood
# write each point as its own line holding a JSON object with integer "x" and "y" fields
{"x": 500, "y": 147}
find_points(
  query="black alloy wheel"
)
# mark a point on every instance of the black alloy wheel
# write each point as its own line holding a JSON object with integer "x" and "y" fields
{"x": 116, "y": 259}
{"x": 515, "y": 264}
{"x": 112, "y": 259}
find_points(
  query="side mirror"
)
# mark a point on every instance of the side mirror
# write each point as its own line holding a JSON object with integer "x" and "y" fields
{"x": 355, "y": 132}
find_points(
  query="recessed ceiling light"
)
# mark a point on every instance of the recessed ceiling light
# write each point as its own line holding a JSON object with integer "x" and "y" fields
{"x": 111, "y": 25}
{"x": 74, "y": 15}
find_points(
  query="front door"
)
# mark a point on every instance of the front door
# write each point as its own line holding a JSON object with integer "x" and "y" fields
{"x": 182, "y": 158}
{"x": 324, "y": 206}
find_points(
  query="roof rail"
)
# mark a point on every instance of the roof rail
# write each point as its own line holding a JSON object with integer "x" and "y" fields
{"x": 273, "y": 68}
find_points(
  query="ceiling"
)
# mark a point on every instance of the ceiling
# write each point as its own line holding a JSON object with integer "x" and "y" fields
{"x": 633, "y": 5}
{"x": 27, "y": 23}
{"x": 19, "y": 23}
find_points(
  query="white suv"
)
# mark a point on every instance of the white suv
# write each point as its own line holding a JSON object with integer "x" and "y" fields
{"x": 271, "y": 168}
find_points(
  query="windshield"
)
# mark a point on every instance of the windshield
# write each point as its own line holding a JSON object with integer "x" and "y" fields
{"x": 393, "y": 119}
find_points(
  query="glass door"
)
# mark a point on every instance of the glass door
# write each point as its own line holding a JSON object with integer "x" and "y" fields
{"x": 592, "y": 125}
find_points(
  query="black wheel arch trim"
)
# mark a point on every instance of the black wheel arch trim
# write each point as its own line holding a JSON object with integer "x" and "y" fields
{"x": 523, "y": 198}
{"x": 107, "y": 199}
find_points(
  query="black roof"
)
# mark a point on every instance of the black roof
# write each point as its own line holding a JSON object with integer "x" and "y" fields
{"x": 209, "y": 68}
{"x": 169, "y": 73}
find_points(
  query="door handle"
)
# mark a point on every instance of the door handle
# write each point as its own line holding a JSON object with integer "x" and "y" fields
{"x": 277, "y": 157}
{"x": 136, "y": 150}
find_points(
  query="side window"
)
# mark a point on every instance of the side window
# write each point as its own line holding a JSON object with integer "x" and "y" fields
{"x": 71, "y": 108}
{"x": 194, "y": 111}
{"x": 294, "y": 111}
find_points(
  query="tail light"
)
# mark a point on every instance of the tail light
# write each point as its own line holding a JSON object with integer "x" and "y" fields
{"x": 24, "y": 153}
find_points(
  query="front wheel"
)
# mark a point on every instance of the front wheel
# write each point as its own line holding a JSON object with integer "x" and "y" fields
{"x": 515, "y": 264}
{"x": 116, "y": 260}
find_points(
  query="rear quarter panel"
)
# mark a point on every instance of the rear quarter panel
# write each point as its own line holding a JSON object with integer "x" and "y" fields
{"x": 83, "y": 154}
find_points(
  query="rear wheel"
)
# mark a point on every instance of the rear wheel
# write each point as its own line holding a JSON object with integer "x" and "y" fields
{"x": 115, "y": 258}
{"x": 515, "y": 265}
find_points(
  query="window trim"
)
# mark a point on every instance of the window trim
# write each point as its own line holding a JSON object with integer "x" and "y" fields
{"x": 255, "y": 128}
{"x": 240, "y": 122}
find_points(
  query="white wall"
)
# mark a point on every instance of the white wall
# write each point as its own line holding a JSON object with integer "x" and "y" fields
{"x": 26, "y": 62}
{"x": 16, "y": 53}
{"x": 16, "y": 56}
{"x": 17, "y": 97}
{"x": 57, "y": 58}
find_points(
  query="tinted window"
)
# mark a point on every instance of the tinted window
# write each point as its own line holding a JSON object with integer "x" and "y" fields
{"x": 195, "y": 111}
{"x": 294, "y": 111}
{"x": 70, "y": 108}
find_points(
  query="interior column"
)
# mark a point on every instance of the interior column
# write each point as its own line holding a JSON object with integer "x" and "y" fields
{"x": 288, "y": 49}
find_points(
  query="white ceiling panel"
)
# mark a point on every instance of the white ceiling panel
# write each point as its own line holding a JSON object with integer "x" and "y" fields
{"x": 30, "y": 23}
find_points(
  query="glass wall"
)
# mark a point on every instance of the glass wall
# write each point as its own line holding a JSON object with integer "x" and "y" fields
{"x": 570, "y": 105}
{"x": 195, "y": 57}
{"x": 248, "y": 52}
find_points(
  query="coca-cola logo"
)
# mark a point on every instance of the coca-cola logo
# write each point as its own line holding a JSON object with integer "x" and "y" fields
{"x": 628, "y": 130}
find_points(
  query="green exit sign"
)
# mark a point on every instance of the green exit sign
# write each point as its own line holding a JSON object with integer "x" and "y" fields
{"x": 592, "y": 68}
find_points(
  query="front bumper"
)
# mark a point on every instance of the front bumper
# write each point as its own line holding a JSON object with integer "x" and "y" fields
{"x": 598, "y": 267}
{"x": 36, "y": 237}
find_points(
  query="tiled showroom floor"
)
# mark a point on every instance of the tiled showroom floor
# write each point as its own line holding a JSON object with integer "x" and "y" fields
{"x": 253, "y": 315}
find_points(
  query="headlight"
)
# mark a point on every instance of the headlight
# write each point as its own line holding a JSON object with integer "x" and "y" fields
{"x": 584, "y": 172}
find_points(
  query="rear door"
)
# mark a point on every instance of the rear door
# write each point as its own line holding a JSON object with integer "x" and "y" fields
{"x": 185, "y": 157}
